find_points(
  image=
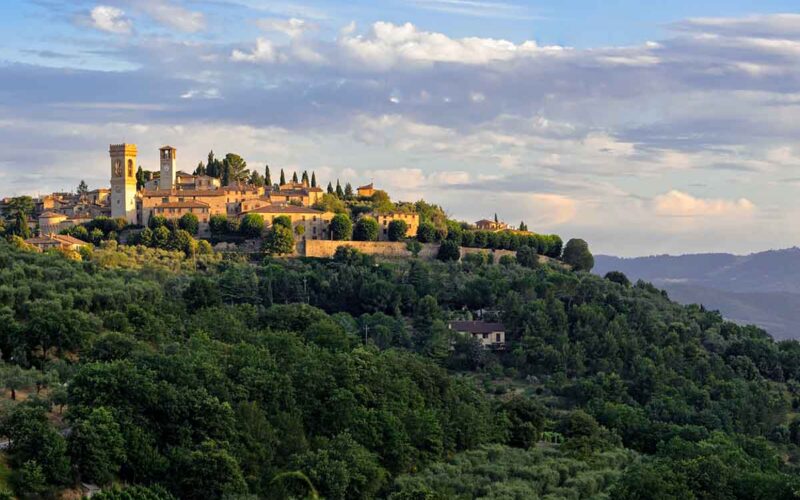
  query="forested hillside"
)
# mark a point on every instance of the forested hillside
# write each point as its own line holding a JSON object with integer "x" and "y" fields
{"x": 155, "y": 376}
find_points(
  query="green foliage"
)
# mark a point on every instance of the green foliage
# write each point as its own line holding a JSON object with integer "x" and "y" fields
{"x": 449, "y": 251}
{"x": 330, "y": 203}
{"x": 96, "y": 446}
{"x": 577, "y": 254}
{"x": 397, "y": 230}
{"x": 251, "y": 226}
{"x": 426, "y": 233}
{"x": 218, "y": 225}
{"x": 341, "y": 227}
{"x": 618, "y": 277}
{"x": 366, "y": 229}
{"x": 279, "y": 240}
{"x": 282, "y": 220}
{"x": 189, "y": 223}
{"x": 137, "y": 492}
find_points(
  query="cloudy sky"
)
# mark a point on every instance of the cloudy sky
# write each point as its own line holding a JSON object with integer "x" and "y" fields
{"x": 671, "y": 127}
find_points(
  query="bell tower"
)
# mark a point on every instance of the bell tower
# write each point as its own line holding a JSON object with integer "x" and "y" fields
{"x": 168, "y": 167}
{"x": 123, "y": 181}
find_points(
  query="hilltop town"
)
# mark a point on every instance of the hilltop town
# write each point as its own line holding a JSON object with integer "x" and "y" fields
{"x": 229, "y": 205}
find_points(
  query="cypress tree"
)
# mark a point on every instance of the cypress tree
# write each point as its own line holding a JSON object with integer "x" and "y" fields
{"x": 294, "y": 177}
{"x": 313, "y": 179}
{"x": 348, "y": 191}
{"x": 283, "y": 178}
{"x": 305, "y": 178}
{"x": 339, "y": 191}
{"x": 267, "y": 177}
{"x": 330, "y": 188}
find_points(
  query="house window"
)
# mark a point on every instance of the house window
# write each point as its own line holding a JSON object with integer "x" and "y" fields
{"x": 164, "y": 200}
{"x": 497, "y": 337}
{"x": 486, "y": 335}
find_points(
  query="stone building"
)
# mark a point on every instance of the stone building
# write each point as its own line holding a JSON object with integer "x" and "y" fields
{"x": 490, "y": 335}
{"x": 315, "y": 223}
{"x": 123, "y": 181}
{"x": 366, "y": 191}
{"x": 490, "y": 225}
{"x": 384, "y": 219}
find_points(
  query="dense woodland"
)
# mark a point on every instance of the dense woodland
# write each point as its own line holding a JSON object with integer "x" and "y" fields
{"x": 158, "y": 376}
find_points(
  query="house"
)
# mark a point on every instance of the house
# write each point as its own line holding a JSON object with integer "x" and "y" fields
{"x": 490, "y": 335}
{"x": 44, "y": 243}
{"x": 384, "y": 219}
{"x": 366, "y": 191}
{"x": 52, "y": 222}
{"x": 490, "y": 225}
{"x": 315, "y": 223}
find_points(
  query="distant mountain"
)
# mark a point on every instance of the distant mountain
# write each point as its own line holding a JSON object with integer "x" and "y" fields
{"x": 761, "y": 288}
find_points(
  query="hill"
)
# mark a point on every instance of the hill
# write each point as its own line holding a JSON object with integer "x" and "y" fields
{"x": 761, "y": 288}
{"x": 340, "y": 378}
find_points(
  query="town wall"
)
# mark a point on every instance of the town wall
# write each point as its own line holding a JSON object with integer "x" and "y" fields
{"x": 325, "y": 249}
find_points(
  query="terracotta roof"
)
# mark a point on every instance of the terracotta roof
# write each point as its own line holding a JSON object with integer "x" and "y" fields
{"x": 68, "y": 239}
{"x": 290, "y": 192}
{"x": 183, "y": 204}
{"x": 182, "y": 192}
{"x": 284, "y": 209}
{"x": 368, "y": 186}
{"x": 100, "y": 190}
{"x": 314, "y": 189}
{"x": 165, "y": 147}
{"x": 485, "y": 221}
{"x": 476, "y": 326}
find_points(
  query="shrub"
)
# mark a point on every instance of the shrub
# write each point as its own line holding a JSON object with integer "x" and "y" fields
{"x": 279, "y": 240}
{"x": 397, "y": 230}
{"x": 189, "y": 223}
{"x": 341, "y": 227}
{"x": 366, "y": 229}
{"x": 252, "y": 226}
{"x": 449, "y": 251}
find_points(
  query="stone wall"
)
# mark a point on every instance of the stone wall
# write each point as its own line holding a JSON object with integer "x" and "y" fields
{"x": 325, "y": 249}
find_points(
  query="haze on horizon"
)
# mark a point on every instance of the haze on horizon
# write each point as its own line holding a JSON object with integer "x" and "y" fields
{"x": 642, "y": 129}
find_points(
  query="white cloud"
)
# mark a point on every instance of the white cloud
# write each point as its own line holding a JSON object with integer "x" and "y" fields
{"x": 264, "y": 51}
{"x": 290, "y": 27}
{"x": 388, "y": 45}
{"x": 110, "y": 19}
{"x": 679, "y": 204}
{"x": 173, "y": 15}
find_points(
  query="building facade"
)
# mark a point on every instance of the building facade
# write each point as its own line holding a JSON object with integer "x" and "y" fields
{"x": 123, "y": 181}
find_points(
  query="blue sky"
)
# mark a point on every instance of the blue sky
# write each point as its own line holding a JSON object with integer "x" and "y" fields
{"x": 642, "y": 127}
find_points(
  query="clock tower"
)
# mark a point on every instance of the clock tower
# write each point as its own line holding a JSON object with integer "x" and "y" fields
{"x": 123, "y": 181}
{"x": 168, "y": 168}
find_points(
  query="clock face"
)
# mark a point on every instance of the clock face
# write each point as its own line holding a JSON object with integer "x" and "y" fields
{"x": 118, "y": 168}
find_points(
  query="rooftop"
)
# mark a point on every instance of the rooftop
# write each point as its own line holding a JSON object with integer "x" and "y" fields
{"x": 284, "y": 209}
{"x": 476, "y": 326}
{"x": 183, "y": 204}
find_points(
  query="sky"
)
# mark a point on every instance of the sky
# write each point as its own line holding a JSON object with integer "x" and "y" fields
{"x": 642, "y": 127}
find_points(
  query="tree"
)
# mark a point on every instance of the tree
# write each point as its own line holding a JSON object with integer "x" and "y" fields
{"x": 341, "y": 227}
{"x": 279, "y": 240}
{"x": 304, "y": 179}
{"x": 234, "y": 169}
{"x": 313, "y": 179}
{"x": 21, "y": 227}
{"x": 577, "y": 254}
{"x": 140, "y": 180}
{"x": 283, "y": 178}
{"x": 251, "y": 226}
{"x": 283, "y": 220}
{"x": 83, "y": 189}
{"x": 397, "y": 230}
{"x": 527, "y": 257}
{"x": 209, "y": 471}
{"x": 256, "y": 179}
{"x": 156, "y": 221}
{"x": 294, "y": 177}
{"x": 523, "y": 226}
{"x": 201, "y": 169}
{"x": 330, "y": 188}
{"x": 496, "y": 220}
{"x": 618, "y": 277}
{"x": 30, "y": 481}
{"x": 339, "y": 191}
{"x": 449, "y": 251}
{"x": 267, "y": 177}
{"x": 15, "y": 378}
{"x": 97, "y": 447}
{"x": 218, "y": 224}
{"x": 426, "y": 233}
{"x": 366, "y": 229}
{"x": 348, "y": 191}
{"x": 189, "y": 223}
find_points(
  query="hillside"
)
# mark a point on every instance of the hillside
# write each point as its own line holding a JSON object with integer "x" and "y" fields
{"x": 340, "y": 378}
{"x": 761, "y": 288}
